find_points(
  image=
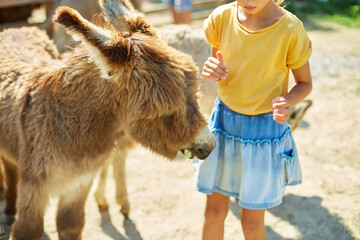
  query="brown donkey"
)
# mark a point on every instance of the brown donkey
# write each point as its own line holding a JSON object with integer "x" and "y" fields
{"x": 59, "y": 119}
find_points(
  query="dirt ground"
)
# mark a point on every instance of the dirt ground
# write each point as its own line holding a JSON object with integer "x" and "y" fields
{"x": 326, "y": 206}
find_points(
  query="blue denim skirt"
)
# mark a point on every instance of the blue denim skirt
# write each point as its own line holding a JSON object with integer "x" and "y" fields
{"x": 254, "y": 159}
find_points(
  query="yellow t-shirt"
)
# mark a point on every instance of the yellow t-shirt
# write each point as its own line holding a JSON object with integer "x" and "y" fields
{"x": 258, "y": 61}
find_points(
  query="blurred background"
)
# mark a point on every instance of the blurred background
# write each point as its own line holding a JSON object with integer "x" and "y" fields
{"x": 36, "y": 12}
{"x": 163, "y": 202}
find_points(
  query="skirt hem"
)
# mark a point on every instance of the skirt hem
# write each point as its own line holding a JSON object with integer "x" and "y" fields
{"x": 243, "y": 204}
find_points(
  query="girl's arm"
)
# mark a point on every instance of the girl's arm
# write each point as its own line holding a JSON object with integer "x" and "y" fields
{"x": 303, "y": 86}
{"x": 214, "y": 69}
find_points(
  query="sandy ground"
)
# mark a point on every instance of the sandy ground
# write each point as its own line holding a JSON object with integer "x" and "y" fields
{"x": 326, "y": 206}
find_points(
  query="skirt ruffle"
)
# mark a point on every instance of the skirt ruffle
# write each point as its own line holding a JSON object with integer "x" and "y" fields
{"x": 254, "y": 160}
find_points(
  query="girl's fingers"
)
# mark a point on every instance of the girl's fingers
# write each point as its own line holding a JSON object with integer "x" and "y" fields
{"x": 280, "y": 118}
{"x": 210, "y": 74}
{"x": 280, "y": 105}
{"x": 209, "y": 77}
{"x": 212, "y": 69}
{"x": 275, "y": 100}
{"x": 218, "y": 64}
{"x": 216, "y": 68}
{"x": 282, "y": 111}
{"x": 219, "y": 57}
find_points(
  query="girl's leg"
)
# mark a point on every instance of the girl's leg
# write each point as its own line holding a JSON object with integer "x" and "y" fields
{"x": 253, "y": 224}
{"x": 217, "y": 207}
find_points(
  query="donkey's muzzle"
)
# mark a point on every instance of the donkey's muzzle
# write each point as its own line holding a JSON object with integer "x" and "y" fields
{"x": 202, "y": 146}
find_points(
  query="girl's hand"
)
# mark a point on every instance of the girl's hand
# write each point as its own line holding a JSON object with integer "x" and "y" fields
{"x": 281, "y": 109}
{"x": 214, "y": 69}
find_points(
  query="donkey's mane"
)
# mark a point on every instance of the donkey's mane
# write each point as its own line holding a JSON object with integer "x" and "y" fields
{"x": 53, "y": 78}
{"x": 152, "y": 48}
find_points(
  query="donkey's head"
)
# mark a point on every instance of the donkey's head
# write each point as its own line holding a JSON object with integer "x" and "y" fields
{"x": 160, "y": 84}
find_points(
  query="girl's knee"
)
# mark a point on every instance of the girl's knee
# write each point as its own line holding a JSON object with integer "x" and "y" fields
{"x": 252, "y": 222}
{"x": 215, "y": 214}
{"x": 217, "y": 207}
{"x": 251, "y": 227}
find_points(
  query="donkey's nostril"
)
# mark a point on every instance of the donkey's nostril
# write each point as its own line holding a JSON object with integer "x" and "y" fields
{"x": 201, "y": 153}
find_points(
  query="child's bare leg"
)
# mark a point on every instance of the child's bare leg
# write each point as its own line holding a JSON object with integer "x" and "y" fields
{"x": 217, "y": 207}
{"x": 181, "y": 17}
{"x": 253, "y": 224}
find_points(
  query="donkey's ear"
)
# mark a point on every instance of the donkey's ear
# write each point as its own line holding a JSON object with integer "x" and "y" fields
{"x": 113, "y": 47}
{"x": 123, "y": 16}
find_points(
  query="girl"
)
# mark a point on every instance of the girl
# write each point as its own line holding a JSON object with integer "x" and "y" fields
{"x": 254, "y": 45}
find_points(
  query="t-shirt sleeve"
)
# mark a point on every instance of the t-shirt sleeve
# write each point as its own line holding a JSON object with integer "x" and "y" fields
{"x": 300, "y": 48}
{"x": 210, "y": 26}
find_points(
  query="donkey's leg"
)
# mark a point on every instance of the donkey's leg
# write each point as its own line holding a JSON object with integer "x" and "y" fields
{"x": 100, "y": 190}
{"x": 118, "y": 161}
{"x": 31, "y": 204}
{"x": 11, "y": 177}
{"x": 70, "y": 217}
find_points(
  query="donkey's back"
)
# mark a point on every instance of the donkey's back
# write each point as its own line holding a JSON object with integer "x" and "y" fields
{"x": 26, "y": 45}
{"x": 23, "y": 52}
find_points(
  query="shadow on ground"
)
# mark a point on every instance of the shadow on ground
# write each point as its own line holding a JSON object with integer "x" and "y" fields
{"x": 109, "y": 229}
{"x": 306, "y": 214}
{"x": 106, "y": 225}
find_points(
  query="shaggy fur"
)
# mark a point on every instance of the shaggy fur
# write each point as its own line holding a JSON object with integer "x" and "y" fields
{"x": 59, "y": 119}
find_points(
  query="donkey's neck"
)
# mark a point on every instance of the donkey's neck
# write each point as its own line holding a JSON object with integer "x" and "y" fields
{"x": 78, "y": 81}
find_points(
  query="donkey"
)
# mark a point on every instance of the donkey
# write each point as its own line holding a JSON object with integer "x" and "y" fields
{"x": 59, "y": 119}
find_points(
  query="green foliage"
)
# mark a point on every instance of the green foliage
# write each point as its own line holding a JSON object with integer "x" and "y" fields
{"x": 344, "y": 20}
{"x": 346, "y": 12}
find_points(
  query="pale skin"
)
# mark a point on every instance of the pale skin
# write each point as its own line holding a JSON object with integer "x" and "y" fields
{"x": 254, "y": 15}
